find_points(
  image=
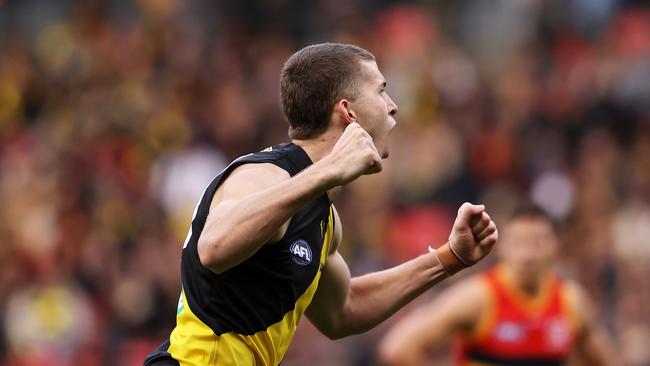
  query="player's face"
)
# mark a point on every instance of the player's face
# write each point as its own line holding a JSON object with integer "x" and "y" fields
{"x": 374, "y": 107}
{"x": 528, "y": 247}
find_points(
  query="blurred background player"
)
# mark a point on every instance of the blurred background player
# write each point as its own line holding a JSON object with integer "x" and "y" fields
{"x": 520, "y": 312}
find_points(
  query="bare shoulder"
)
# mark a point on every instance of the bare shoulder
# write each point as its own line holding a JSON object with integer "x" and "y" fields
{"x": 466, "y": 301}
{"x": 457, "y": 308}
{"x": 579, "y": 303}
{"x": 576, "y": 294}
{"x": 469, "y": 293}
{"x": 461, "y": 303}
{"x": 247, "y": 179}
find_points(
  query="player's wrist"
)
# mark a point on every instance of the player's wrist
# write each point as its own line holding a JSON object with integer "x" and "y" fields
{"x": 329, "y": 176}
{"x": 448, "y": 259}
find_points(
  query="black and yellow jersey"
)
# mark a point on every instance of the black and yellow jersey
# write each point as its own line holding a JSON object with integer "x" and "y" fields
{"x": 248, "y": 314}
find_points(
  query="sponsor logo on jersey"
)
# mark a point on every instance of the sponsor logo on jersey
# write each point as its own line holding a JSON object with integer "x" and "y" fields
{"x": 300, "y": 252}
{"x": 557, "y": 333}
{"x": 509, "y": 332}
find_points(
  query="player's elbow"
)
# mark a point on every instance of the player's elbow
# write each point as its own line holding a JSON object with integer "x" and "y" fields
{"x": 332, "y": 331}
{"x": 332, "y": 335}
{"x": 211, "y": 255}
{"x": 332, "y": 325}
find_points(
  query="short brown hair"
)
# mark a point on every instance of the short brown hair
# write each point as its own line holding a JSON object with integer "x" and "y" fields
{"x": 314, "y": 79}
{"x": 529, "y": 210}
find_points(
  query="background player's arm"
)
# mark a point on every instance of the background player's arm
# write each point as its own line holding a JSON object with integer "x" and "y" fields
{"x": 254, "y": 204}
{"x": 432, "y": 326}
{"x": 594, "y": 345}
{"x": 343, "y": 306}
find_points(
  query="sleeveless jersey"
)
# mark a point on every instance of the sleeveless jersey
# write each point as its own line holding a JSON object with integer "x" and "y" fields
{"x": 247, "y": 315}
{"x": 517, "y": 330}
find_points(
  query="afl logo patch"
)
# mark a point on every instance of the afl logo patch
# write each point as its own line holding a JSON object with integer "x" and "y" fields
{"x": 300, "y": 252}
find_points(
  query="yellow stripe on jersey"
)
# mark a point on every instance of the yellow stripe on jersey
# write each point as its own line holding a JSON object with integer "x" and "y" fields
{"x": 193, "y": 343}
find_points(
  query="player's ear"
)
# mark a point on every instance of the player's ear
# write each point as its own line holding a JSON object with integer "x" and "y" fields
{"x": 345, "y": 112}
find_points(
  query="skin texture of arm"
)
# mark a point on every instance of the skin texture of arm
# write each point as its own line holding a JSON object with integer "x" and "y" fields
{"x": 343, "y": 305}
{"x": 594, "y": 345}
{"x": 431, "y": 327}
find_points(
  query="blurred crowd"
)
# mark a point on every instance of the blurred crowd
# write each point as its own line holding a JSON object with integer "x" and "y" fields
{"x": 114, "y": 116}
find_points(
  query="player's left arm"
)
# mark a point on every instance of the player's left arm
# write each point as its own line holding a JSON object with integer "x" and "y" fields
{"x": 593, "y": 345}
{"x": 344, "y": 306}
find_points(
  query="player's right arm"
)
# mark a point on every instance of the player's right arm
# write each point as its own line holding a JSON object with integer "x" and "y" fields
{"x": 430, "y": 327}
{"x": 254, "y": 204}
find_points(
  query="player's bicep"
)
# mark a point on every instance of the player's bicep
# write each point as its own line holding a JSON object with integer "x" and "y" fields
{"x": 243, "y": 182}
{"x": 328, "y": 305}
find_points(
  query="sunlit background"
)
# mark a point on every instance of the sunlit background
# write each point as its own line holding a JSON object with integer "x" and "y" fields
{"x": 114, "y": 115}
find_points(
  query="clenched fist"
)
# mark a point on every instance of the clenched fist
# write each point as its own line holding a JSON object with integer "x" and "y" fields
{"x": 353, "y": 155}
{"x": 471, "y": 239}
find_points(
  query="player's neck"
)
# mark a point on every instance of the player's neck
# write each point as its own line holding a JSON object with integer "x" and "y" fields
{"x": 318, "y": 147}
{"x": 529, "y": 286}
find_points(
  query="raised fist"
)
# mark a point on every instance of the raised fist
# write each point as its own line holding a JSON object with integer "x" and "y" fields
{"x": 473, "y": 234}
{"x": 353, "y": 155}
{"x": 471, "y": 239}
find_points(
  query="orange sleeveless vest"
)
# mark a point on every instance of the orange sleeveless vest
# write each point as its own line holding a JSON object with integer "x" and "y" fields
{"x": 517, "y": 330}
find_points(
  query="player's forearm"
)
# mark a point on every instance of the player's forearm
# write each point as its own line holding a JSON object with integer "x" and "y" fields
{"x": 597, "y": 349}
{"x": 232, "y": 236}
{"x": 376, "y": 296}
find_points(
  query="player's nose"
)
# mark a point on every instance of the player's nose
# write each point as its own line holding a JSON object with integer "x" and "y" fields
{"x": 392, "y": 107}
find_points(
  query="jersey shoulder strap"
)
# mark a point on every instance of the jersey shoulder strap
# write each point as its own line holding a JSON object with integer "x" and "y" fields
{"x": 289, "y": 157}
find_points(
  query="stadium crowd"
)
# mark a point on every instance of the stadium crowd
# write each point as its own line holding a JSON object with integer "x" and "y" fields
{"x": 115, "y": 115}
